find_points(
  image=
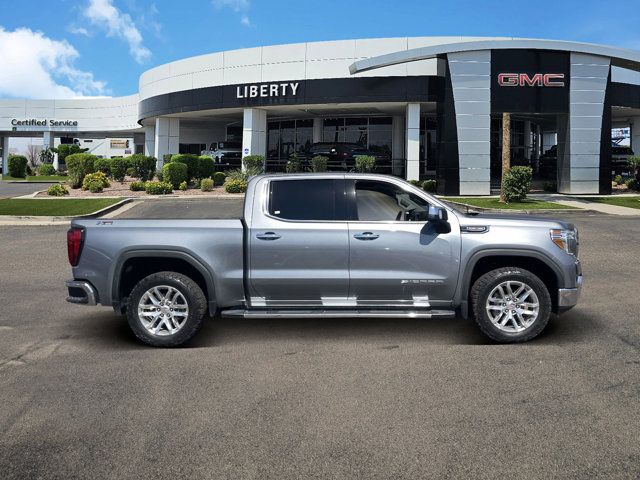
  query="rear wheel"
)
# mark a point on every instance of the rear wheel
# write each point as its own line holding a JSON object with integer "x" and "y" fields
{"x": 166, "y": 309}
{"x": 510, "y": 304}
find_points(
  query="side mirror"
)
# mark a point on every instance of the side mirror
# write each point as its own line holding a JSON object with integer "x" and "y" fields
{"x": 437, "y": 214}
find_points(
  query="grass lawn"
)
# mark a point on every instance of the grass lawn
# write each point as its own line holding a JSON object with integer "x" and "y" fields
{"x": 631, "y": 202}
{"x": 38, "y": 178}
{"x": 54, "y": 207}
{"x": 527, "y": 204}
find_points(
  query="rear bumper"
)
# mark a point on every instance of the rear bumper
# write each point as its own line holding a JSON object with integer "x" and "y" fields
{"x": 568, "y": 297}
{"x": 81, "y": 292}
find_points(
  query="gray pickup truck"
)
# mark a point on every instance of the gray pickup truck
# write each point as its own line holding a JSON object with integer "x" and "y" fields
{"x": 328, "y": 246}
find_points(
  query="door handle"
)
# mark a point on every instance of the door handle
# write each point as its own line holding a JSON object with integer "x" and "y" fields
{"x": 366, "y": 236}
{"x": 267, "y": 236}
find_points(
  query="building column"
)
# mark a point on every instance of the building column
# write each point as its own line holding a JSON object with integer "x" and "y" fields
{"x": 5, "y": 155}
{"x": 527, "y": 139}
{"x": 150, "y": 141}
{"x": 397, "y": 145}
{"x": 412, "y": 136}
{"x": 317, "y": 130}
{"x": 579, "y": 164}
{"x": 254, "y": 132}
{"x": 166, "y": 138}
{"x": 634, "y": 124}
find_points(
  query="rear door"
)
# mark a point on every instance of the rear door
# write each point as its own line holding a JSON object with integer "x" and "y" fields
{"x": 299, "y": 244}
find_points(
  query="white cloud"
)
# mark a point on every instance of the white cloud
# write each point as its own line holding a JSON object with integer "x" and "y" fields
{"x": 35, "y": 66}
{"x": 103, "y": 14}
{"x": 238, "y": 6}
{"x": 78, "y": 30}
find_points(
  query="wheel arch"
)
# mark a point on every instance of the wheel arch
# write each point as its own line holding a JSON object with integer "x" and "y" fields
{"x": 485, "y": 260}
{"x": 141, "y": 263}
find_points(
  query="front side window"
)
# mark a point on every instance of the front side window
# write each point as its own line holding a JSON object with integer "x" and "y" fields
{"x": 306, "y": 200}
{"x": 381, "y": 201}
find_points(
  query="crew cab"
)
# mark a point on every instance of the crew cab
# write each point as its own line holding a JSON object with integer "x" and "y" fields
{"x": 328, "y": 245}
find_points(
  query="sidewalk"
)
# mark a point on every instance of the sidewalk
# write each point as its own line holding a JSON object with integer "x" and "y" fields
{"x": 582, "y": 201}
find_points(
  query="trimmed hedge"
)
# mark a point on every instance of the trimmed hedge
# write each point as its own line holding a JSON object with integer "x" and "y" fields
{"x": 429, "y": 186}
{"x": 137, "y": 186}
{"x": 78, "y": 166}
{"x": 46, "y": 169}
{"x": 206, "y": 184}
{"x": 219, "y": 178}
{"x": 183, "y": 186}
{"x": 119, "y": 167}
{"x": 95, "y": 182}
{"x": 191, "y": 161}
{"x": 236, "y": 186}
{"x": 319, "y": 163}
{"x": 253, "y": 164}
{"x": 517, "y": 183}
{"x": 57, "y": 190}
{"x": 175, "y": 173}
{"x": 205, "y": 167}
{"x": 365, "y": 163}
{"x": 102, "y": 165}
{"x": 158, "y": 188}
{"x": 143, "y": 167}
{"x": 17, "y": 166}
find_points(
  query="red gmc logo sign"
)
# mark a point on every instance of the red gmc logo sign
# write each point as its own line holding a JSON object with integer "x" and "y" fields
{"x": 536, "y": 80}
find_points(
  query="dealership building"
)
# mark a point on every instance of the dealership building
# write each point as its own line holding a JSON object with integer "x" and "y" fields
{"x": 428, "y": 107}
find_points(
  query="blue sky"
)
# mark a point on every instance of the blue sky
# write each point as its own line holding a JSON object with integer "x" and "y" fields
{"x": 65, "y": 48}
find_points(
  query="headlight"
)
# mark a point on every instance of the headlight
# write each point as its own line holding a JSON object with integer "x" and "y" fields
{"x": 567, "y": 240}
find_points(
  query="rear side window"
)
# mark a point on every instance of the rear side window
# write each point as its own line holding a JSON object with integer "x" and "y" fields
{"x": 307, "y": 199}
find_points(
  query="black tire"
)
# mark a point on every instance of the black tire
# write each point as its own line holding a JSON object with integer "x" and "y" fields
{"x": 483, "y": 287}
{"x": 195, "y": 300}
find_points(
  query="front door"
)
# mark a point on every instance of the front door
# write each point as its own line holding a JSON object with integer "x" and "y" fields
{"x": 397, "y": 258}
{"x": 299, "y": 244}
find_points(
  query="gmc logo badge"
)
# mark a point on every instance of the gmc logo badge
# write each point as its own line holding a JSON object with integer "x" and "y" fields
{"x": 537, "y": 80}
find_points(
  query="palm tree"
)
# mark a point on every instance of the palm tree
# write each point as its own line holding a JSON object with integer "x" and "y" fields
{"x": 506, "y": 150}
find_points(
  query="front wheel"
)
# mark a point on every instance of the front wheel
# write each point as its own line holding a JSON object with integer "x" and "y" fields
{"x": 166, "y": 309}
{"x": 510, "y": 304}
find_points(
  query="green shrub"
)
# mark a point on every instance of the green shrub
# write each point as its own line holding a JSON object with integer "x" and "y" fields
{"x": 94, "y": 186}
{"x": 183, "y": 186}
{"x": 166, "y": 158}
{"x": 174, "y": 173}
{"x": 429, "y": 186}
{"x": 634, "y": 165}
{"x": 17, "y": 166}
{"x": 191, "y": 161}
{"x": 253, "y": 164}
{"x": 365, "y": 163}
{"x": 46, "y": 169}
{"x": 550, "y": 187}
{"x": 137, "y": 186}
{"x": 206, "y": 184}
{"x": 46, "y": 155}
{"x": 57, "y": 190}
{"x": 119, "y": 168}
{"x": 517, "y": 183}
{"x": 205, "y": 167}
{"x": 98, "y": 178}
{"x": 158, "y": 188}
{"x": 294, "y": 165}
{"x": 143, "y": 167}
{"x": 219, "y": 178}
{"x": 415, "y": 183}
{"x": 617, "y": 179}
{"x": 102, "y": 165}
{"x": 319, "y": 163}
{"x": 66, "y": 150}
{"x": 79, "y": 165}
{"x": 159, "y": 175}
{"x": 237, "y": 174}
{"x": 632, "y": 184}
{"x": 29, "y": 171}
{"x": 236, "y": 186}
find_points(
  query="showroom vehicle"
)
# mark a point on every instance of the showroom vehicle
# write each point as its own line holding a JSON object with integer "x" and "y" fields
{"x": 227, "y": 152}
{"x": 341, "y": 156}
{"x": 329, "y": 245}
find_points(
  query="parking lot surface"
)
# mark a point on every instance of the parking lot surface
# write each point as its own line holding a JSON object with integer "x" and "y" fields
{"x": 339, "y": 399}
{"x": 14, "y": 189}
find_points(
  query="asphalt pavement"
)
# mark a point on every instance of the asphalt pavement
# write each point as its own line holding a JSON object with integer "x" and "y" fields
{"x": 15, "y": 189}
{"x": 370, "y": 399}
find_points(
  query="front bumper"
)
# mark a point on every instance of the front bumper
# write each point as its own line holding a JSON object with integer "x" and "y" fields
{"x": 81, "y": 292}
{"x": 568, "y": 297}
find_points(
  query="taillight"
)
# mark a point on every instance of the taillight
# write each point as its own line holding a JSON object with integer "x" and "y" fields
{"x": 75, "y": 239}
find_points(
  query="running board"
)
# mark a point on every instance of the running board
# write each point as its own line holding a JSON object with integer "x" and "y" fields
{"x": 360, "y": 313}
